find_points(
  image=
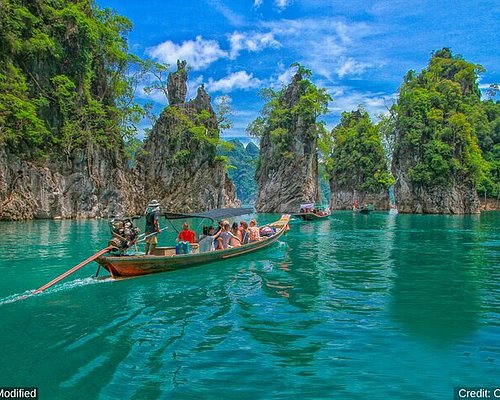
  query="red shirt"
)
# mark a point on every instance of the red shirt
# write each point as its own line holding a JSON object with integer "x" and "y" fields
{"x": 187, "y": 236}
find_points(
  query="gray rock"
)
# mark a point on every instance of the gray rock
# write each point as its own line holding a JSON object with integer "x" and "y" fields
{"x": 97, "y": 183}
{"x": 344, "y": 199}
{"x": 459, "y": 196}
{"x": 286, "y": 180}
{"x": 177, "y": 84}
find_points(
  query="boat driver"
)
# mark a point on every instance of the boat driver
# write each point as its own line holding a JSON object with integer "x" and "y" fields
{"x": 152, "y": 226}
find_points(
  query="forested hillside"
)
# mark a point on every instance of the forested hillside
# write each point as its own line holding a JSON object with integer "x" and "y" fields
{"x": 63, "y": 79}
{"x": 243, "y": 163}
{"x": 437, "y": 161}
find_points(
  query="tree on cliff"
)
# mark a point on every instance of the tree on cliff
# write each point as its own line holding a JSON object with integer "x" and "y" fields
{"x": 488, "y": 133}
{"x": 63, "y": 77}
{"x": 356, "y": 161}
{"x": 287, "y": 170}
{"x": 437, "y": 160}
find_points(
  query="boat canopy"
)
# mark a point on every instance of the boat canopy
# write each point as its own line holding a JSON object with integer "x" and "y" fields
{"x": 307, "y": 206}
{"x": 213, "y": 215}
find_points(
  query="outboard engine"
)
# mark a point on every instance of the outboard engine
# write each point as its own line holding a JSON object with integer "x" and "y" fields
{"x": 124, "y": 233}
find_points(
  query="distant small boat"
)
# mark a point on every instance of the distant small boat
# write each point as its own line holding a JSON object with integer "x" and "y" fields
{"x": 312, "y": 212}
{"x": 166, "y": 259}
{"x": 366, "y": 209}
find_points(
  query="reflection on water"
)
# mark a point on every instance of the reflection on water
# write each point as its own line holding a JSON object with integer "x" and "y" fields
{"x": 436, "y": 287}
{"x": 338, "y": 309}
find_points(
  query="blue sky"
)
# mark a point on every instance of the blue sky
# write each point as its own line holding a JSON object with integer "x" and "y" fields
{"x": 359, "y": 50}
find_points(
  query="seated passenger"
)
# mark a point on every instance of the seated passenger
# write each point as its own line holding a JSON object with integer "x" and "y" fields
{"x": 235, "y": 240}
{"x": 218, "y": 231}
{"x": 206, "y": 240}
{"x": 186, "y": 235}
{"x": 244, "y": 232}
{"x": 225, "y": 236}
{"x": 253, "y": 232}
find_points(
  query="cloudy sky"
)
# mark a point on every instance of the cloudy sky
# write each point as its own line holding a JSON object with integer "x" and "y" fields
{"x": 359, "y": 50}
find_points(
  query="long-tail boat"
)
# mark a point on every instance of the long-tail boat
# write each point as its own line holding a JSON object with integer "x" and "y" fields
{"x": 312, "y": 212}
{"x": 166, "y": 259}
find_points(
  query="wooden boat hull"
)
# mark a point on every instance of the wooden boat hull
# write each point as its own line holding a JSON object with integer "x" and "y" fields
{"x": 310, "y": 216}
{"x": 135, "y": 265}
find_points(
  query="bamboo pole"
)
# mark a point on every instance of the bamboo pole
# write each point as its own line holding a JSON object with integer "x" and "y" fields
{"x": 72, "y": 270}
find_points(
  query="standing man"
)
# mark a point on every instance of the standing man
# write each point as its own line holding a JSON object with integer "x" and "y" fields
{"x": 152, "y": 215}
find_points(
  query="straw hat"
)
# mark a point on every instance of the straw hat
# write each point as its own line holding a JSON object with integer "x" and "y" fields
{"x": 154, "y": 203}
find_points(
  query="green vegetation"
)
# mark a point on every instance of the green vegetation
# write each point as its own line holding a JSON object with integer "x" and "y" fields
{"x": 283, "y": 109}
{"x": 438, "y": 114}
{"x": 488, "y": 132}
{"x": 244, "y": 160}
{"x": 63, "y": 77}
{"x": 353, "y": 154}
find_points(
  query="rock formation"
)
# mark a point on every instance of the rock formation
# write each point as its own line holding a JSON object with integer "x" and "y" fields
{"x": 177, "y": 84}
{"x": 180, "y": 166}
{"x": 358, "y": 170}
{"x": 92, "y": 183}
{"x": 437, "y": 161}
{"x": 458, "y": 198}
{"x": 287, "y": 174}
{"x": 341, "y": 199}
{"x": 177, "y": 165}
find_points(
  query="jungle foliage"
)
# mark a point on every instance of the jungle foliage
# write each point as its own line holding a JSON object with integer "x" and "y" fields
{"x": 439, "y": 118}
{"x": 63, "y": 77}
{"x": 301, "y": 101}
{"x": 353, "y": 154}
{"x": 244, "y": 161}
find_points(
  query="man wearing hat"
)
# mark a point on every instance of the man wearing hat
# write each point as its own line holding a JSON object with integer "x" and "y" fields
{"x": 152, "y": 215}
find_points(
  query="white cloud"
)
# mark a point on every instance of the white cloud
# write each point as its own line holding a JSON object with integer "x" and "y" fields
{"x": 329, "y": 46}
{"x": 156, "y": 96}
{"x": 282, "y": 4}
{"x": 351, "y": 67}
{"x": 199, "y": 53}
{"x": 232, "y": 17}
{"x": 282, "y": 77}
{"x": 224, "y": 98}
{"x": 347, "y": 99}
{"x": 236, "y": 80}
{"x": 193, "y": 85}
{"x": 251, "y": 41}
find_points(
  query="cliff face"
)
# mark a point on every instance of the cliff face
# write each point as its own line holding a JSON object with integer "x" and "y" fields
{"x": 287, "y": 174}
{"x": 344, "y": 199}
{"x": 456, "y": 198}
{"x": 437, "y": 161}
{"x": 179, "y": 165}
{"x": 92, "y": 183}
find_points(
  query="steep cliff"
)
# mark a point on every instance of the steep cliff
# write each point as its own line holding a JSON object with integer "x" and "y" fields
{"x": 92, "y": 183}
{"x": 62, "y": 71}
{"x": 287, "y": 171}
{"x": 179, "y": 163}
{"x": 67, "y": 111}
{"x": 437, "y": 161}
{"x": 357, "y": 164}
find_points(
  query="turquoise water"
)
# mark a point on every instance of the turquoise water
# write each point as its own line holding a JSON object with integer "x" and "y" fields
{"x": 355, "y": 307}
